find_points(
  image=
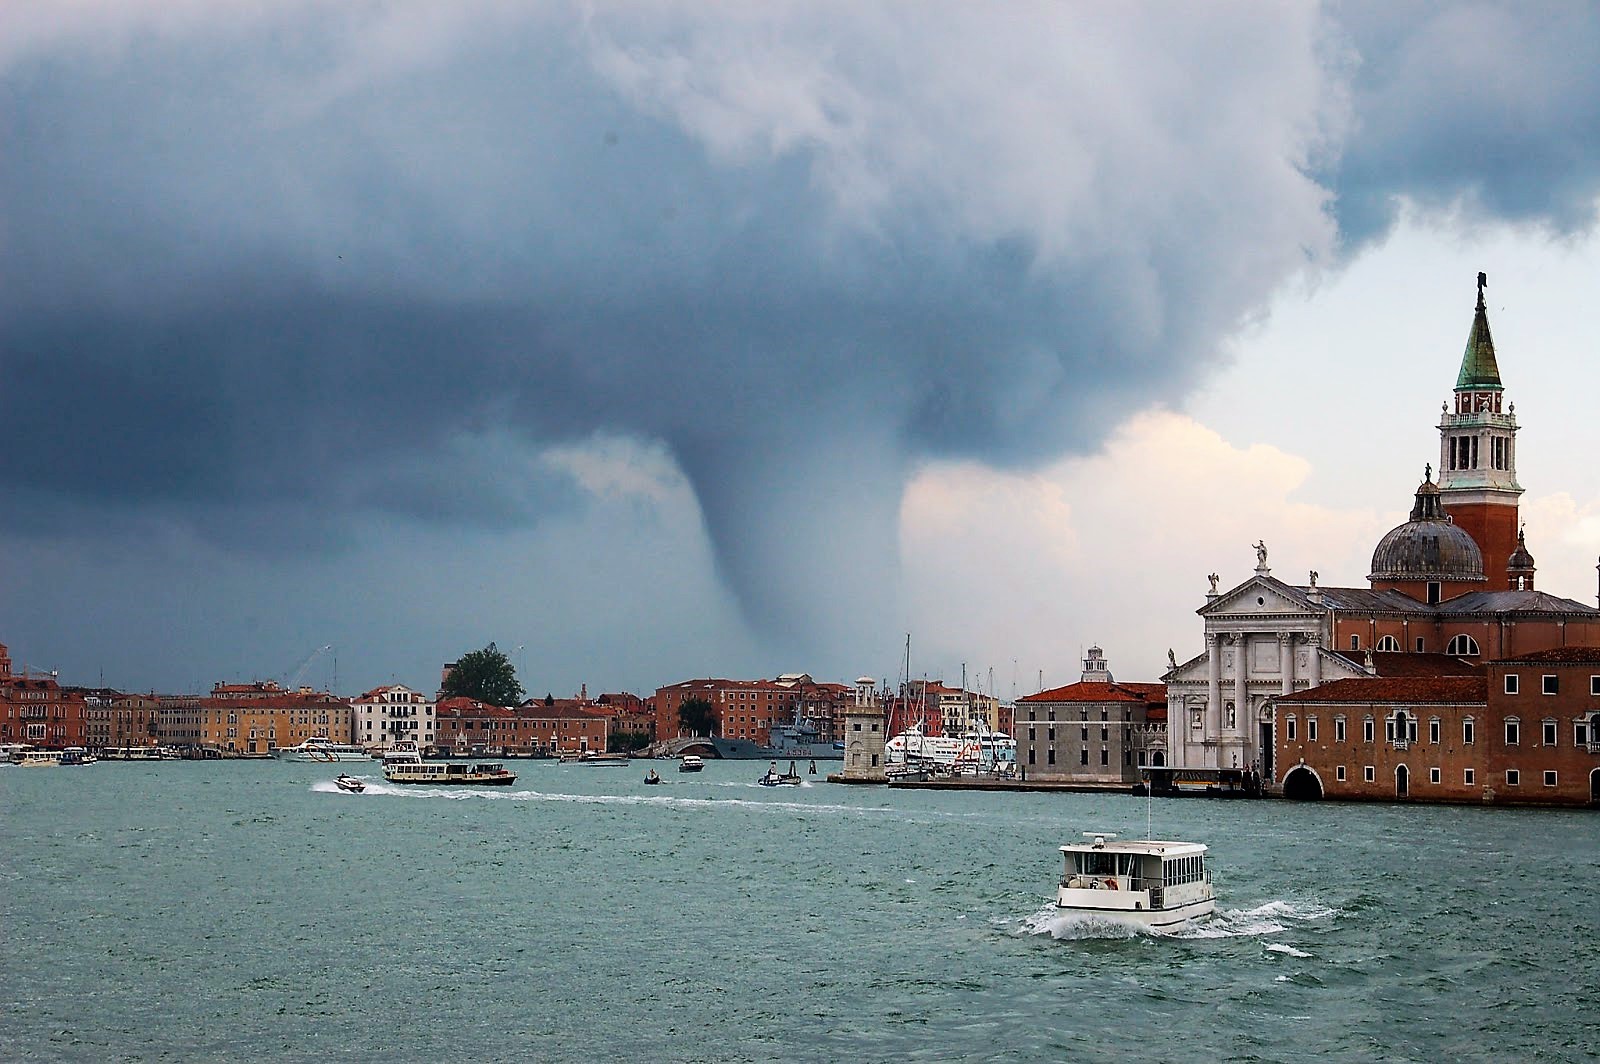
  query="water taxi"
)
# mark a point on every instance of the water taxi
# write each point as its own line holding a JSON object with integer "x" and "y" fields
{"x": 596, "y": 759}
{"x": 1152, "y": 883}
{"x": 450, "y": 773}
{"x": 691, "y": 763}
{"x": 350, "y": 784}
{"x": 323, "y": 750}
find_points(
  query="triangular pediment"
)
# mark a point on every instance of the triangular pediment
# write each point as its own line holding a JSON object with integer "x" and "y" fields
{"x": 1260, "y": 596}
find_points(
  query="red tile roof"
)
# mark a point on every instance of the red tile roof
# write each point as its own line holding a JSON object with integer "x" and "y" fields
{"x": 1557, "y": 656}
{"x": 1396, "y": 663}
{"x": 1099, "y": 691}
{"x": 1431, "y": 689}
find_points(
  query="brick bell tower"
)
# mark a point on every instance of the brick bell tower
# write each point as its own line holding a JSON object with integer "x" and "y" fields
{"x": 1478, "y": 454}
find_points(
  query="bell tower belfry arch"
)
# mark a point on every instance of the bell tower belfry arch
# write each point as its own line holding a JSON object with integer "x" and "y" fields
{"x": 1478, "y": 453}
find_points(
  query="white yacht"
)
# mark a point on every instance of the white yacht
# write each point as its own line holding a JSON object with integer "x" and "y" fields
{"x": 323, "y": 750}
{"x": 1149, "y": 882}
{"x": 914, "y": 748}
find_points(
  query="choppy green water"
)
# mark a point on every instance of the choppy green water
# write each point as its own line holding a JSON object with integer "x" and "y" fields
{"x": 229, "y": 911}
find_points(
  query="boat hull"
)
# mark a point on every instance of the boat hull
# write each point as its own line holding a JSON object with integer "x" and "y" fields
{"x": 496, "y": 781}
{"x": 1131, "y": 907}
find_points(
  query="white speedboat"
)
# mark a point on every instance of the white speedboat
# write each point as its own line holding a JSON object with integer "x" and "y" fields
{"x": 691, "y": 763}
{"x": 323, "y": 750}
{"x": 349, "y": 783}
{"x": 1149, "y": 882}
{"x": 451, "y": 773}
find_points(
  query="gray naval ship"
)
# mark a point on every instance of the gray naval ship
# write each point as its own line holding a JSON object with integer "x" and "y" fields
{"x": 796, "y": 742}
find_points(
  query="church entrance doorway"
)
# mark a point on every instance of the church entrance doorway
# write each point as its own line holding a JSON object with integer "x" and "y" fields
{"x": 1158, "y": 759}
{"x": 1302, "y": 785}
{"x": 1402, "y": 782}
{"x": 1266, "y": 751}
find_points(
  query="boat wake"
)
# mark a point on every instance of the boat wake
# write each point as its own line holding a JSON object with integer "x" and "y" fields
{"x": 462, "y": 794}
{"x": 1269, "y": 918}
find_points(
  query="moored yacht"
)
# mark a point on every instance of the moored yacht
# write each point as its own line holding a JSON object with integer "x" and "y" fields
{"x": 1149, "y": 882}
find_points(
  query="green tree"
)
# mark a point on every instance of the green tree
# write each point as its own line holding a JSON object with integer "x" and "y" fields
{"x": 698, "y": 716}
{"x": 486, "y": 675}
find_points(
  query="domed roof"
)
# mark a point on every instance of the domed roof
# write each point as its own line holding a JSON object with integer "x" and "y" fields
{"x": 1520, "y": 558}
{"x": 1428, "y": 546}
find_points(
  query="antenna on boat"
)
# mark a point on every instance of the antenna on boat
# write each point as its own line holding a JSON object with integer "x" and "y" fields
{"x": 1149, "y": 802}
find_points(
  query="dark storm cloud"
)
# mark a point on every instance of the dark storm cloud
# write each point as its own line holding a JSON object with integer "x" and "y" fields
{"x": 362, "y": 265}
{"x": 1492, "y": 106}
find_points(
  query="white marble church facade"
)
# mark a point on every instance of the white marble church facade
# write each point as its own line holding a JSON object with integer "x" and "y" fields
{"x": 1263, "y": 639}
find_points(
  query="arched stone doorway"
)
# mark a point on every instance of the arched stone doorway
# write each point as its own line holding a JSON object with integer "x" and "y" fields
{"x": 1302, "y": 785}
{"x": 1402, "y": 782}
{"x": 1158, "y": 759}
{"x": 1594, "y": 786}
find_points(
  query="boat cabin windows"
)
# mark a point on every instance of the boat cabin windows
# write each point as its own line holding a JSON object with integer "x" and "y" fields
{"x": 1102, "y": 864}
{"x": 1180, "y": 870}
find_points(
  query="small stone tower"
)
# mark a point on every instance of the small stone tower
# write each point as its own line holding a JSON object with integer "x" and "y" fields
{"x": 1520, "y": 568}
{"x": 865, "y": 733}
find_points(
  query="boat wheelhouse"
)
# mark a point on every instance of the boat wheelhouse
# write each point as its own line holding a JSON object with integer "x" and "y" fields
{"x": 1153, "y": 883}
{"x": 450, "y": 773}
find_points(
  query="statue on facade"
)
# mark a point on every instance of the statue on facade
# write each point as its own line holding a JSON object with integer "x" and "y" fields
{"x": 1172, "y": 659}
{"x": 1213, "y": 577}
{"x": 1313, "y": 578}
{"x": 1261, "y": 553}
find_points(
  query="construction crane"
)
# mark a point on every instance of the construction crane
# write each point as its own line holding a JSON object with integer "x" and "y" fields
{"x": 294, "y": 681}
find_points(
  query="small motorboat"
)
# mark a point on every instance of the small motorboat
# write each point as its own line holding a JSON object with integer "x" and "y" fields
{"x": 652, "y": 777}
{"x": 774, "y": 778}
{"x": 349, "y": 783}
{"x": 691, "y": 763}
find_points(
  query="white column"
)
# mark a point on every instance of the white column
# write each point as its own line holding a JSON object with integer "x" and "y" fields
{"x": 1286, "y": 655}
{"x": 1213, "y": 685}
{"x": 1241, "y": 696}
{"x": 1313, "y": 649}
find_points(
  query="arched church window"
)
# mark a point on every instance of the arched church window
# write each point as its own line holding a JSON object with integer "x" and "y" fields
{"x": 1389, "y": 643}
{"x": 1462, "y": 646}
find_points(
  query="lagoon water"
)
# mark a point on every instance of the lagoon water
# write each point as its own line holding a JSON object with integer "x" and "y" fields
{"x": 245, "y": 910}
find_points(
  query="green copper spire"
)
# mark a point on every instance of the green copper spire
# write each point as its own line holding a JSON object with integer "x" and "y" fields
{"x": 1479, "y": 371}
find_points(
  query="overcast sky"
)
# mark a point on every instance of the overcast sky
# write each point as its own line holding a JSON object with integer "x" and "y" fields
{"x": 656, "y": 340}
